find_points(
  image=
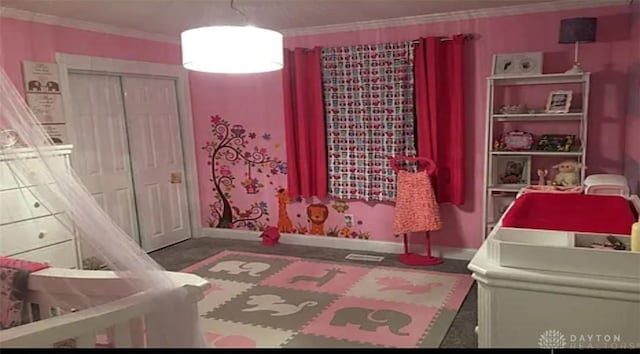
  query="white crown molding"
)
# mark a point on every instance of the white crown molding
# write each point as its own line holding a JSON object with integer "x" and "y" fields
{"x": 364, "y": 25}
{"x": 29, "y": 16}
{"x": 453, "y": 16}
{"x": 342, "y": 243}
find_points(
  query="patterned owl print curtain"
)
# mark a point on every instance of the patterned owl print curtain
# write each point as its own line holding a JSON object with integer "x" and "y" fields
{"x": 368, "y": 98}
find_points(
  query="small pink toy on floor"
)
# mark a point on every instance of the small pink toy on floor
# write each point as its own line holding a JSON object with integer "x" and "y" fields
{"x": 270, "y": 236}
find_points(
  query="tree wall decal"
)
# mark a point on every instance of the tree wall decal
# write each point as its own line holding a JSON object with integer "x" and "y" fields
{"x": 230, "y": 145}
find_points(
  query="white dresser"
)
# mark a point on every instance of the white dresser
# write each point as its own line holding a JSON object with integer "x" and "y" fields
{"x": 542, "y": 288}
{"x": 32, "y": 225}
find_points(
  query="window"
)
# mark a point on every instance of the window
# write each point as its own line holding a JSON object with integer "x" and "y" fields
{"x": 368, "y": 101}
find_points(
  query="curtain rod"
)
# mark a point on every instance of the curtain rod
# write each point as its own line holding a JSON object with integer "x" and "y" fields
{"x": 466, "y": 37}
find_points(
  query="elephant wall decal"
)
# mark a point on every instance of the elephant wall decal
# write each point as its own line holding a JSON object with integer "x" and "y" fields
{"x": 370, "y": 319}
{"x": 238, "y": 267}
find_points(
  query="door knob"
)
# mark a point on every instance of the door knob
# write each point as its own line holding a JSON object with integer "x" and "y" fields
{"x": 175, "y": 177}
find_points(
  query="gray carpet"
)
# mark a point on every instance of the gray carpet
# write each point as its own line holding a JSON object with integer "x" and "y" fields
{"x": 460, "y": 335}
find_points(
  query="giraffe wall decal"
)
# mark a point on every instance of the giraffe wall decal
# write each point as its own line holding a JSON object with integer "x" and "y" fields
{"x": 284, "y": 222}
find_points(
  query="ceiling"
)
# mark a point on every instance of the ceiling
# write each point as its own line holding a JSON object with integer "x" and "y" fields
{"x": 170, "y": 17}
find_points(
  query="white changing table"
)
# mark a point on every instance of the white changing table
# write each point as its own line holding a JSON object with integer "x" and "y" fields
{"x": 545, "y": 292}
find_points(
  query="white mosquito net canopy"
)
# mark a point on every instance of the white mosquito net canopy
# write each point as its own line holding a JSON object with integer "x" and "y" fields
{"x": 132, "y": 272}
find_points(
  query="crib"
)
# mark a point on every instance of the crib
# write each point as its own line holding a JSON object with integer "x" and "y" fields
{"x": 118, "y": 318}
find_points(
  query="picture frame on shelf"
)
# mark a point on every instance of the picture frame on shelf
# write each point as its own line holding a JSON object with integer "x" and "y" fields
{"x": 559, "y": 101}
{"x": 517, "y": 64}
{"x": 512, "y": 171}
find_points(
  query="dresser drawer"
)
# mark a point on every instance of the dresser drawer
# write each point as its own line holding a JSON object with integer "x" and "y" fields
{"x": 7, "y": 179}
{"x": 27, "y": 235}
{"x": 27, "y": 172}
{"x": 22, "y": 204}
{"x": 62, "y": 255}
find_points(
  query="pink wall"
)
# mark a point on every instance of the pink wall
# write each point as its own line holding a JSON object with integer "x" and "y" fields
{"x": 254, "y": 101}
{"x": 632, "y": 151}
{"x": 20, "y": 40}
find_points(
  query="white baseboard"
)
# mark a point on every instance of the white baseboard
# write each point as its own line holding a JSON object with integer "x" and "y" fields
{"x": 341, "y": 243}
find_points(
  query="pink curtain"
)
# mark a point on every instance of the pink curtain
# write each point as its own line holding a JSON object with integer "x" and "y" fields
{"x": 440, "y": 112}
{"x": 304, "y": 123}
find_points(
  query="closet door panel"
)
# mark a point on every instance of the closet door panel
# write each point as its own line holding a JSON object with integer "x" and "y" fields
{"x": 101, "y": 152}
{"x": 156, "y": 152}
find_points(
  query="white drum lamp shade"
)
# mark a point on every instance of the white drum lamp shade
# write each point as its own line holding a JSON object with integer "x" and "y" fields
{"x": 232, "y": 49}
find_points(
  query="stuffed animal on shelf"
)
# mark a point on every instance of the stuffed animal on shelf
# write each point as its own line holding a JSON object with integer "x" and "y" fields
{"x": 568, "y": 173}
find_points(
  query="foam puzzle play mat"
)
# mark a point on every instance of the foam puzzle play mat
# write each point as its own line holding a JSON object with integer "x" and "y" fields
{"x": 259, "y": 300}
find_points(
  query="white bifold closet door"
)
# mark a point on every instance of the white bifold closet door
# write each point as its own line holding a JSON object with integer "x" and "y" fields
{"x": 100, "y": 154}
{"x": 127, "y": 150}
{"x": 158, "y": 169}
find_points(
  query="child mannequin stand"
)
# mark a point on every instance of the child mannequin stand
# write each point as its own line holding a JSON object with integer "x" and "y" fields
{"x": 416, "y": 208}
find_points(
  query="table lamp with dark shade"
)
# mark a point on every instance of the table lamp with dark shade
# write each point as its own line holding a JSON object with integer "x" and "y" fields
{"x": 577, "y": 30}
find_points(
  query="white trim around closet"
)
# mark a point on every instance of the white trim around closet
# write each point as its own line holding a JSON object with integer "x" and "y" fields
{"x": 68, "y": 62}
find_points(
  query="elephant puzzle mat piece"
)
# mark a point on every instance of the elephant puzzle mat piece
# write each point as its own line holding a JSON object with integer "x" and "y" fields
{"x": 260, "y": 300}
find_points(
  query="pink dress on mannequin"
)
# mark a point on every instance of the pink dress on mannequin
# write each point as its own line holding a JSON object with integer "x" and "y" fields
{"x": 416, "y": 206}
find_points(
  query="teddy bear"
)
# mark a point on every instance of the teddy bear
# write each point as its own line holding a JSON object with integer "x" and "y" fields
{"x": 567, "y": 173}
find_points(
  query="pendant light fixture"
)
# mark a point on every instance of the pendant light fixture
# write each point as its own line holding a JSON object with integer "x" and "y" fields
{"x": 232, "y": 49}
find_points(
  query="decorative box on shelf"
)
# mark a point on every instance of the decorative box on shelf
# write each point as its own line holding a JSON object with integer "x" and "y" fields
{"x": 556, "y": 142}
{"x": 519, "y": 141}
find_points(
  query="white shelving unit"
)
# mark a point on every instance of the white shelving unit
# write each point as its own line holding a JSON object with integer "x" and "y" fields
{"x": 491, "y": 188}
